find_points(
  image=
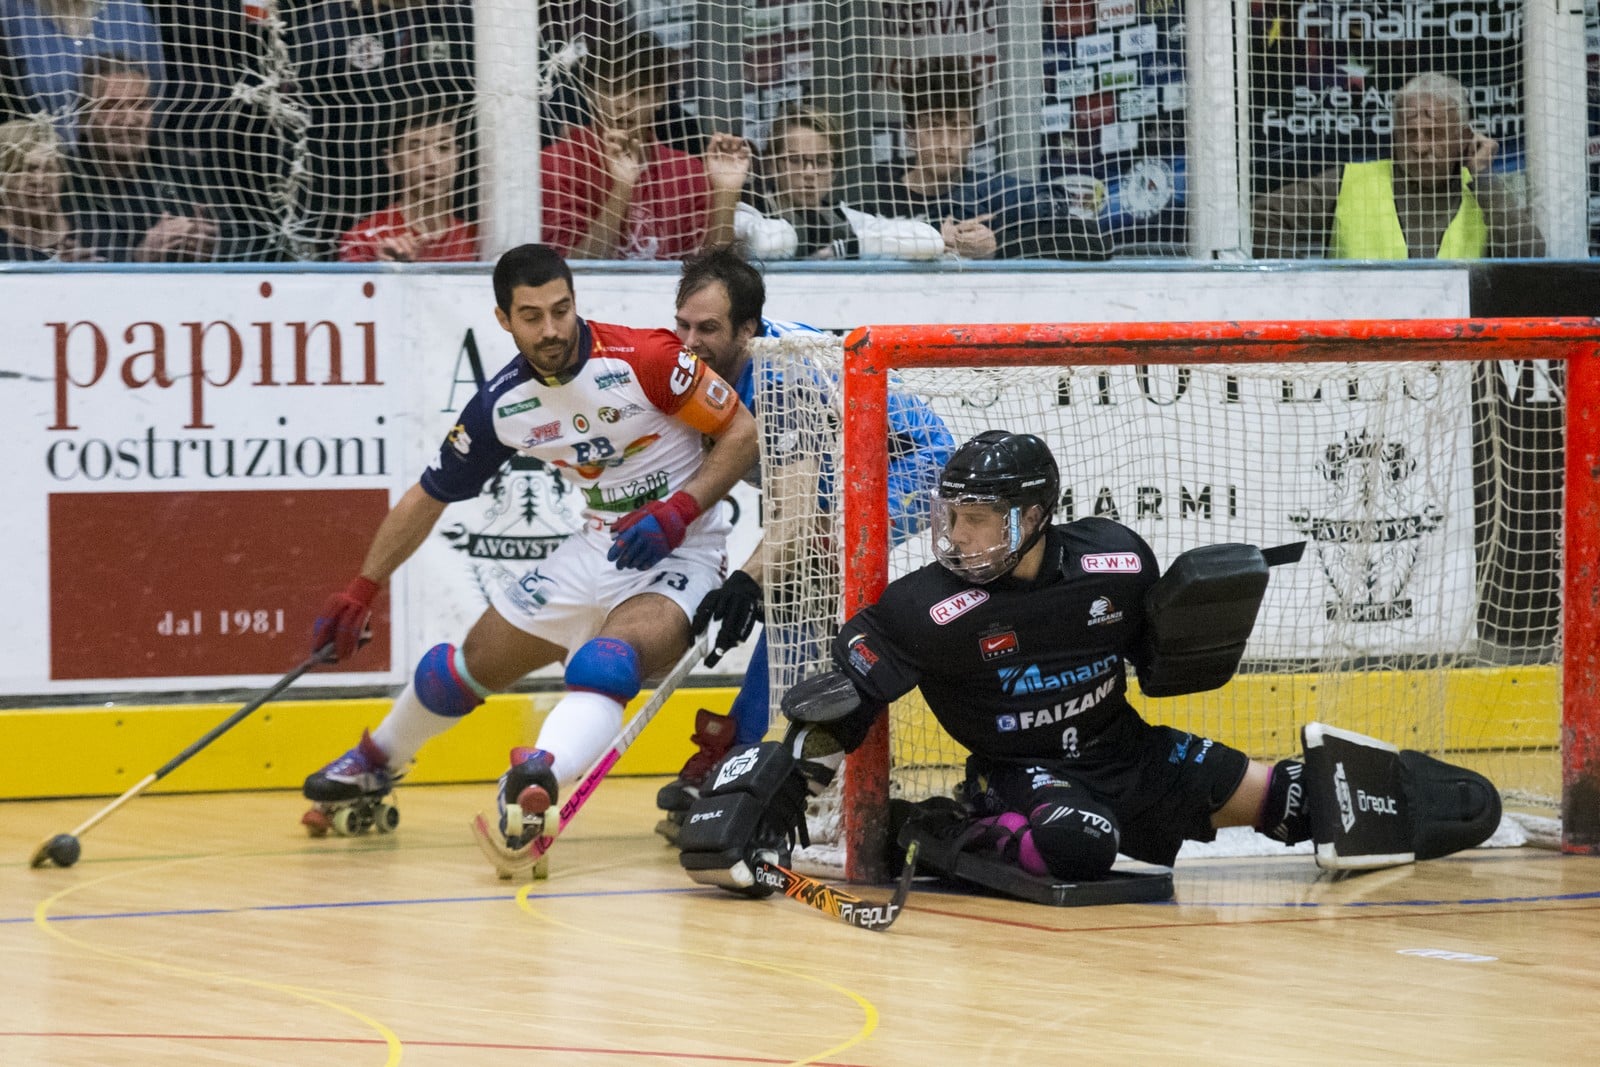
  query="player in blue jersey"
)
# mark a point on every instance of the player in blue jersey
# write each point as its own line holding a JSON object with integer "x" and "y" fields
{"x": 623, "y": 414}
{"x": 719, "y": 312}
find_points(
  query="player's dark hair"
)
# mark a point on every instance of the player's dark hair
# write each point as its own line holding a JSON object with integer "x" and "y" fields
{"x": 747, "y": 293}
{"x": 422, "y": 114}
{"x": 530, "y": 265}
{"x": 941, "y": 88}
{"x": 634, "y": 59}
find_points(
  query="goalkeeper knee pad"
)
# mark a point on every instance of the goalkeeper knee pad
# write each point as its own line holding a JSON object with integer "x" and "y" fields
{"x": 1075, "y": 838}
{"x": 751, "y": 809}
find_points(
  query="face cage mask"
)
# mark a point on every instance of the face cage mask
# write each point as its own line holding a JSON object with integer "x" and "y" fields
{"x": 985, "y": 565}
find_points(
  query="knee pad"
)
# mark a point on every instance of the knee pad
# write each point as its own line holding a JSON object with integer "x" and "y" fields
{"x": 606, "y": 666}
{"x": 1075, "y": 837}
{"x": 1283, "y": 812}
{"x": 443, "y": 684}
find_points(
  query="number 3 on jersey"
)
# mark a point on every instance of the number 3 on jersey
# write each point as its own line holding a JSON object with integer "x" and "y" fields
{"x": 593, "y": 450}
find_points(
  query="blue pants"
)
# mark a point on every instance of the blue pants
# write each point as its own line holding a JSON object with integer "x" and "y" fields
{"x": 750, "y": 709}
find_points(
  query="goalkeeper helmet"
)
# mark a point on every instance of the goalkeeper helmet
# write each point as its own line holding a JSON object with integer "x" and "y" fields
{"x": 995, "y": 499}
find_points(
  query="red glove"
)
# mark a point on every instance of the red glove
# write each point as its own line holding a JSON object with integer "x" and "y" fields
{"x": 343, "y": 619}
{"x": 646, "y": 536}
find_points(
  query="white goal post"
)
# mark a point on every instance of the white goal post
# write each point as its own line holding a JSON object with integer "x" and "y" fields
{"x": 1445, "y": 474}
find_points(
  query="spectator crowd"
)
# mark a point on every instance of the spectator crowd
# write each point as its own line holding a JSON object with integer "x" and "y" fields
{"x": 262, "y": 130}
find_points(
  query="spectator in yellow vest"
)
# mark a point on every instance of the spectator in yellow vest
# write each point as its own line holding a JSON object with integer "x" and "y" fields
{"x": 1435, "y": 199}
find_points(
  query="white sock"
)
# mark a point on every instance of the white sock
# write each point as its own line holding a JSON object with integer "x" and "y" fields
{"x": 407, "y": 727}
{"x": 577, "y": 731}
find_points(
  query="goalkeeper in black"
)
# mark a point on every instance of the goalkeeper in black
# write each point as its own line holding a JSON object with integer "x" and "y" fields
{"x": 1019, "y": 637}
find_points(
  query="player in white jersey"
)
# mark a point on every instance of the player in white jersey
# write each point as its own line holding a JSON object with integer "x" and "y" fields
{"x": 623, "y": 414}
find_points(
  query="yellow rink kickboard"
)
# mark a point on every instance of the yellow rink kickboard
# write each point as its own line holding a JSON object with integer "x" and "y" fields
{"x": 101, "y": 751}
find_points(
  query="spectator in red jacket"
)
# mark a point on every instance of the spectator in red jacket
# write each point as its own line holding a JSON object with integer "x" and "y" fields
{"x": 611, "y": 191}
{"x": 420, "y": 226}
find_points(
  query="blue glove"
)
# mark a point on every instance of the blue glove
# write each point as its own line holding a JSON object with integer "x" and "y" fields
{"x": 646, "y": 536}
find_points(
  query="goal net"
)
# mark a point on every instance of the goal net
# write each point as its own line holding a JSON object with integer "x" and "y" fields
{"x": 1422, "y": 462}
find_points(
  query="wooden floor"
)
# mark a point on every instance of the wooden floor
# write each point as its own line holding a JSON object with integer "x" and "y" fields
{"x": 210, "y": 930}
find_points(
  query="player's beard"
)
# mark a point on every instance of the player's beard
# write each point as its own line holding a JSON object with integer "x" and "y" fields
{"x": 551, "y": 358}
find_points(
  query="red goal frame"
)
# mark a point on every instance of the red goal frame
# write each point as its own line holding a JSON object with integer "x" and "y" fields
{"x": 872, "y": 352}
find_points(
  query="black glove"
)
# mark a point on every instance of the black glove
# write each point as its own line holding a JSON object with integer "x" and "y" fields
{"x": 738, "y": 604}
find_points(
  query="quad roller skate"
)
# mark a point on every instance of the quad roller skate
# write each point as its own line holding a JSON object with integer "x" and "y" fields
{"x": 527, "y": 792}
{"x": 350, "y": 795}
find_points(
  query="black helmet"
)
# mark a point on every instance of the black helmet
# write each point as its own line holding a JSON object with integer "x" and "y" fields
{"x": 1010, "y": 472}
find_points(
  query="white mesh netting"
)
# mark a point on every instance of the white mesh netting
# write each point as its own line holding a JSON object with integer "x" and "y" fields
{"x": 1426, "y": 609}
{"x": 430, "y": 130}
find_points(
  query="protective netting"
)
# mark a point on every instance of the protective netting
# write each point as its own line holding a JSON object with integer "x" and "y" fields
{"x": 1426, "y": 610}
{"x": 427, "y": 130}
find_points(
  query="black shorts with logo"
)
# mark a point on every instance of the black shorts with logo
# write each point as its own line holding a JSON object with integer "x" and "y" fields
{"x": 1161, "y": 784}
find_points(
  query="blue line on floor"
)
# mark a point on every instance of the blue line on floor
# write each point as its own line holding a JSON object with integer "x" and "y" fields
{"x": 352, "y": 904}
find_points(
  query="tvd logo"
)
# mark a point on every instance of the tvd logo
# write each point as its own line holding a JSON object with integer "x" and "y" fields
{"x": 1370, "y": 529}
{"x": 522, "y": 516}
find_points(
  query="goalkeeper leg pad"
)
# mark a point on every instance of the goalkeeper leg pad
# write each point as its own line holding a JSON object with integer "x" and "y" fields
{"x": 752, "y": 807}
{"x": 1372, "y": 805}
{"x": 1453, "y": 808}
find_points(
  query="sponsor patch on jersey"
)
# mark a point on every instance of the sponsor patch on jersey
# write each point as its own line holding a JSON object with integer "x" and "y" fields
{"x": 684, "y": 374}
{"x": 1111, "y": 563}
{"x": 519, "y": 407}
{"x": 862, "y": 658}
{"x": 580, "y": 423}
{"x": 953, "y": 607}
{"x": 717, "y": 394}
{"x": 996, "y": 645}
{"x": 1102, "y": 612}
{"x": 613, "y": 380}
{"x": 609, "y": 415}
{"x": 547, "y": 431}
{"x": 459, "y": 439}
{"x": 1006, "y": 724}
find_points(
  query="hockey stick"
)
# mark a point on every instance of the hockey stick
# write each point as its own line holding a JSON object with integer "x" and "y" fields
{"x": 830, "y": 900}
{"x": 62, "y": 849}
{"x": 510, "y": 863}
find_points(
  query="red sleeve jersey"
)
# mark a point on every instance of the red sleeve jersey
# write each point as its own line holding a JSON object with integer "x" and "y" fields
{"x": 671, "y": 205}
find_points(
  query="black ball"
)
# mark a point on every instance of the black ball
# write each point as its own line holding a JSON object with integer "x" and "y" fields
{"x": 64, "y": 850}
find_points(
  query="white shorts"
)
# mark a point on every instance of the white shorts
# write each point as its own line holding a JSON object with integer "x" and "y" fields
{"x": 565, "y": 599}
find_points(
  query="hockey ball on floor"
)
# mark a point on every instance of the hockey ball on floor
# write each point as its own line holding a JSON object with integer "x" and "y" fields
{"x": 64, "y": 850}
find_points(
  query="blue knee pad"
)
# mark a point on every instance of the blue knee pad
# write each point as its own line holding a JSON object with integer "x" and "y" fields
{"x": 751, "y": 711}
{"x": 443, "y": 684}
{"x": 605, "y": 665}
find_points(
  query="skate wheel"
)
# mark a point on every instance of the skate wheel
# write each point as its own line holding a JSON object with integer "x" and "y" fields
{"x": 386, "y": 818}
{"x": 511, "y": 822}
{"x": 345, "y": 822}
{"x": 541, "y": 869}
{"x": 316, "y": 822}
